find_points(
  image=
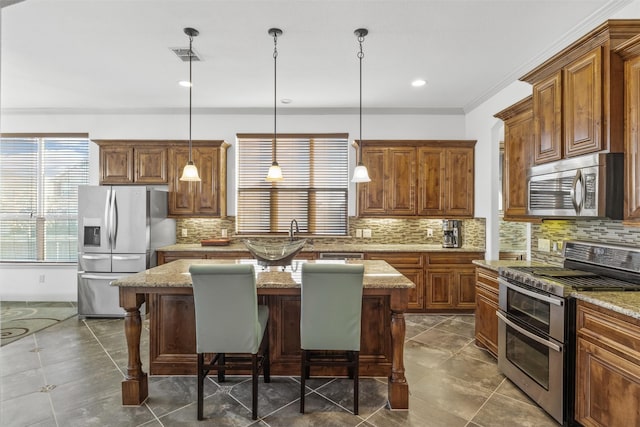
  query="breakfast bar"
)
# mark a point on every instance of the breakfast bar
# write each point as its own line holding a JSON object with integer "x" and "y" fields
{"x": 172, "y": 332}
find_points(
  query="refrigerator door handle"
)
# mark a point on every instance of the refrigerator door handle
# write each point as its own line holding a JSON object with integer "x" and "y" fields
{"x": 93, "y": 257}
{"x": 101, "y": 277}
{"x": 126, "y": 257}
{"x": 107, "y": 226}
{"x": 114, "y": 219}
{"x": 112, "y": 204}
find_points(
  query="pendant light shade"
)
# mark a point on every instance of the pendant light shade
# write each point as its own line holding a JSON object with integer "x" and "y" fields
{"x": 275, "y": 172}
{"x": 190, "y": 171}
{"x": 360, "y": 174}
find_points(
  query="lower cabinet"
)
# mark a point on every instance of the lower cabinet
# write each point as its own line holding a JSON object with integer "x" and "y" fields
{"x": 451, "y": 281}
{"x": 607, "y": 367}
{"x": 486, "y": 307}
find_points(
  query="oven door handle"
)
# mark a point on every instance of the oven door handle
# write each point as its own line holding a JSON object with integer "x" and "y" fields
{"x": 528, "y": 334}
{"x": 550, "y": 300}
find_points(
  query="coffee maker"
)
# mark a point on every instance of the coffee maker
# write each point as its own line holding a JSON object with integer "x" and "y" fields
{"x": 451, "y": 236}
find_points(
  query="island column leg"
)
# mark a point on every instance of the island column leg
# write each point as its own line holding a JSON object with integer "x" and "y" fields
{"x": 398, "y": 388}
{"x": 135, "y": 386}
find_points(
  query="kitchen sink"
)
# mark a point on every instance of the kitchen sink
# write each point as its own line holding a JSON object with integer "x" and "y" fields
{"x": 278, "y": 253}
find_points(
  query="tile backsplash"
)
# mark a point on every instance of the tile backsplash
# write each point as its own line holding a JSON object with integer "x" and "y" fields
{"x": 383, "y": 230}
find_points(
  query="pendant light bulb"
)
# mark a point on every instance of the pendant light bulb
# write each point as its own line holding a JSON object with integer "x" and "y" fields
{"x": 190, "y": 171}
{"x": 360, "y": 173}
{"x": 275, "y": 172}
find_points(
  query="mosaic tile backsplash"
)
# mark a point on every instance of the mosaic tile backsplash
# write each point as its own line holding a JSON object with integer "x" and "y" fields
{"x": 383, "y": 230}
{"x": 600, "y": 230}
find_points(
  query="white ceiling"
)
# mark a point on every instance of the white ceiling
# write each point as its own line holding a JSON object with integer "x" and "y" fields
{"x": 114, "y": 56}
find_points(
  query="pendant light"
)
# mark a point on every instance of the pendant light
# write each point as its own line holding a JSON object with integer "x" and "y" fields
{"x": 190, "y": 171}
{"x": 360, "y": 173}
{"x": 275, "y": 173}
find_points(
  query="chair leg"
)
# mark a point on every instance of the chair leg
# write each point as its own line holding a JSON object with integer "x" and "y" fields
{"x": 254, "y": 386}
{"x": 200, "y": 385}
{"x": 303, "y": 374}
{"x": 356, "y": 380}
{"x": 266, "y": 361}
{"x": 221, "y": 364}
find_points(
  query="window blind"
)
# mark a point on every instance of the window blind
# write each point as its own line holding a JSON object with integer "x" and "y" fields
{"x": 39, "y": 178}
{"x": 313, "y": 192}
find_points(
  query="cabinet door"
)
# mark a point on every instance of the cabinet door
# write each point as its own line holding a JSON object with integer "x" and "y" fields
{"x": 181, "y": 193}
{"x": 465, "y": 288}
{"x": 547, "y": 113}
{"x": 439, "y": 289}
{"x": 401, "y": 186}
{"x": 150, "y": 165}
{"x": 518, "y": 145}
{"x": 116, "y": 165}
{"x": 431, "y": 170}
{"x": 632, "y": 140}
{"x": 582, "y": 111}
{"x": 486, "y": 319}
{"x": 459, "y": 182}
{"x": 372, "y": 194}
{"x": 206, "y": 196}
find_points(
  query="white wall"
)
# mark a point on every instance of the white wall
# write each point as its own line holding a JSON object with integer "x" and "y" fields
{"x": 22, "y": 282}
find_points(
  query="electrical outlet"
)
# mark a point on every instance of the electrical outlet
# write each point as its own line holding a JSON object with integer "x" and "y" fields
{"x": 366, "y": 233}
{"x": 223, "y": 232}
{"x": 184, "y": 232}
{"x": 41, "y": 278}
{"x": 358, "y": 232}
{"x": 429, "y": 232}
{"x": 544, "y": 245}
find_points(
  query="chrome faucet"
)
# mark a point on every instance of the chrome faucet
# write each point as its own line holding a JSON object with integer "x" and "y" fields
{"x": 293, "y": 232}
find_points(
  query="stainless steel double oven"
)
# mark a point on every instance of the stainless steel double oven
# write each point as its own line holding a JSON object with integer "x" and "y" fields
{"x": 531, "y": 343}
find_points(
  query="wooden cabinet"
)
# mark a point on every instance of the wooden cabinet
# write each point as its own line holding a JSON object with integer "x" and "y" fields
{"x": 412, "y": 178}
{"x": 411, "y": 265}
{"x": 630, "y": 52}
{"x": 518, "y": 148}
{"x": 450, "y": 281}
{"x": 393, "y": 180}
{"x": 607, "y": 367}
{"x": 578, "y": 95}
{"x": 486, "y": 307}
{"x": 132, "y": 162}
{"x": 206, "y": 198}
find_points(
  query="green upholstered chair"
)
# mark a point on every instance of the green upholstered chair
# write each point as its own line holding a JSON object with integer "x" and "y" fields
{"x": 229, "y": 323}
{"x": 330, "y": 318}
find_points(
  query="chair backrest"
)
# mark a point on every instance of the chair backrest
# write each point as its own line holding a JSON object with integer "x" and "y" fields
{"x": 226, "y": 305}
{"x": 331, "y": 306}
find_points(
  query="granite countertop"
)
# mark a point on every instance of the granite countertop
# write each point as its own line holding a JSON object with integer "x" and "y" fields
{"x": 235, "y": 246}
{"x": 627, "y": 303}
{"x": 377, "y": 274}
{"x": 497, "y": 264}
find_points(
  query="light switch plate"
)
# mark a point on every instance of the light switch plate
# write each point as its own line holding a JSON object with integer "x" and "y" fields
{"x": 544, "y": 245}
{"x": 366, "y": 233}
{"x": 358, "y": 232}
{"x": 184, "y": 232}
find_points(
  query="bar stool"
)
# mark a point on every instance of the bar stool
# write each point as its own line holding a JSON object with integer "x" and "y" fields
{"x": 330, "y": 319}
{"x": 229, "y": 323}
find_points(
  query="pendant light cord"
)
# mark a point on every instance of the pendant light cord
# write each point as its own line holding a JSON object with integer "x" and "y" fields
{"x": 190, "y": 87}
{"x": 275, "y": 104}
{"x": 360, "y": 56}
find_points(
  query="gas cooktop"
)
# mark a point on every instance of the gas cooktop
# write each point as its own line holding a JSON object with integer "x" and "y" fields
{"x": 578, "y": 280}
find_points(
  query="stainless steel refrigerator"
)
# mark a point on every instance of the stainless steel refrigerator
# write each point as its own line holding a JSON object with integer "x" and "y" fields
{"x": 119, "y": 230}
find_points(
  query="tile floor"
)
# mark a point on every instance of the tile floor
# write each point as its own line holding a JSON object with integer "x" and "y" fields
{"x": 70, "y": 374}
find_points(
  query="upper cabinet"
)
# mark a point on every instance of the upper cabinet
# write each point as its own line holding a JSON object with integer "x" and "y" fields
{"x": 412, "y": 178}
{"x": 518, "y": 148}
{"x": 161, "y": 162}
{"x": 630, "y": 52}
{"x": 578, "y": 95}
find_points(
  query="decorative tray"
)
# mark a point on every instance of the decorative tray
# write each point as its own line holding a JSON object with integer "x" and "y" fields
{"x": 215, "y": 242}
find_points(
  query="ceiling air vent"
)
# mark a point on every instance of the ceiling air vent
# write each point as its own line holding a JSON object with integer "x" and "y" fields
{"x": 183, "y": 53}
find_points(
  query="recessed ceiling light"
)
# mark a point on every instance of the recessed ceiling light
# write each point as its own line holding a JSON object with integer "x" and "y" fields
{"x": 418, "y": 83}
{"x": 185, "y": 83}
{"x": 285, "y": 101}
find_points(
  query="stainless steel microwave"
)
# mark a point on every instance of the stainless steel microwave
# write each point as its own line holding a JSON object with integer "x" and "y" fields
{"x": 587, "y": 186}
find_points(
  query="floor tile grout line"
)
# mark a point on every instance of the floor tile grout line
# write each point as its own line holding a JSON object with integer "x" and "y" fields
{"x": 46, "y": 382}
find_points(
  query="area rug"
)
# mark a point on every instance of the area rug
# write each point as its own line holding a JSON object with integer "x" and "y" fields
{"x": 19, "y": 319}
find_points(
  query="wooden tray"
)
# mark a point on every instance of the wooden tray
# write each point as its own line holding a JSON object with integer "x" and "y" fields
{"x": 215, "y": 242}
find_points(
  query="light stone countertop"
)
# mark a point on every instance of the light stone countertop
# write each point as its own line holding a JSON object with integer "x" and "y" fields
{"x": 497, "y": 264}
{"x": 627, "y": 303}
{"x": 377, "y": 274}
{"x": 237, "y": 245}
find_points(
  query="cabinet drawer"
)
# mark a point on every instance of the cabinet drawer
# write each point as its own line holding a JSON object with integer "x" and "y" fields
{"x": 399, "y": 259}
{"x": 487, "y": 278}
{"x": 453, "y": 257}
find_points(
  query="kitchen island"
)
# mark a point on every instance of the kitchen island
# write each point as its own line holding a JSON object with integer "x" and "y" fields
{"x": 172, "y": 331}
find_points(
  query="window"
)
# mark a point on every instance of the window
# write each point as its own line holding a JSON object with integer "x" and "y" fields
{"x": 39, "y": 178}
{"x": 313, "y": 192}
